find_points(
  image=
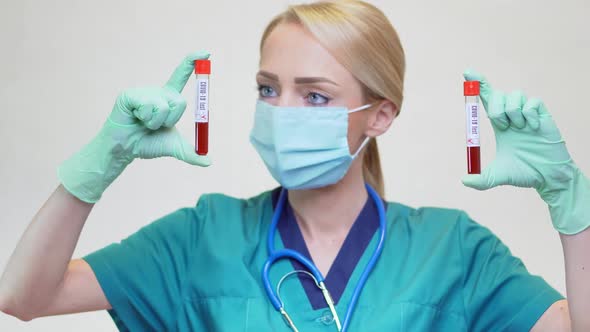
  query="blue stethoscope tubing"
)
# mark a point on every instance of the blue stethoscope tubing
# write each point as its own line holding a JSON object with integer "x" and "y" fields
{"x": 275, "y": 255}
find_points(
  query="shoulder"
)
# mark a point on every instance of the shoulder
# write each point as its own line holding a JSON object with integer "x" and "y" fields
{"x": 217, "y": 200}
{"x": 217, "y": 204}
{"x": 210, "y": 209}
{"x": 223, "y": 214}
{"x": 437, "y": 223}
{"x": 428, "y": 216}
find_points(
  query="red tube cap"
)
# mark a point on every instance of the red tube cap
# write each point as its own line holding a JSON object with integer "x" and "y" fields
{"x": 471, "y": 88}
{"x": 203, "y": 67}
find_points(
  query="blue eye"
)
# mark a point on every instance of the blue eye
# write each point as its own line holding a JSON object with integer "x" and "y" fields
{"x": 265, "y": 91}
{"x": 317, "y": 99}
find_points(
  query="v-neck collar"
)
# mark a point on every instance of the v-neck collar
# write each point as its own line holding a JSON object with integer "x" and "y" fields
{"x": 353, "y": 247}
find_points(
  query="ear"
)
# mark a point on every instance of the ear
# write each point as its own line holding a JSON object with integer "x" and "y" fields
{"x": 381, "y": 118}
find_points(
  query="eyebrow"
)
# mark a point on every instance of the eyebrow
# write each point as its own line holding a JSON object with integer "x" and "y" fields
{"x": 308, "y": 80}
{"x": 298, "y": 80}
{"x": 268, "y": 75}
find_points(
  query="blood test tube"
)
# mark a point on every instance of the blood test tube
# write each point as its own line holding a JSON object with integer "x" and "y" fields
{"x": 202, "y": 72}
{"x": 471, "y": 92}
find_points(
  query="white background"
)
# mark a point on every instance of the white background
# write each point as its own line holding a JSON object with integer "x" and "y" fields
{"x": 63, "y": 63}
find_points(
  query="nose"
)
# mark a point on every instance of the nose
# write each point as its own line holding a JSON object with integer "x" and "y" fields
{"x": 289, "y": 98}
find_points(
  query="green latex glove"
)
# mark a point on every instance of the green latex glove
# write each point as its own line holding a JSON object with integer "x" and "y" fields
{"x": 530, "y": 152}
{"x": 141, "y": 125}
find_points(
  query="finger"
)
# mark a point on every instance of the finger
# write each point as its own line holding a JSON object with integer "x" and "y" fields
{"x": 136, "y": 103}
{"x": 182, "y": 73}
{"x": 144, "y": 112}
{"x": 160, "y": 113}
{"x": 485, "y": 88}
{"x": 541, "y": 109}
{"x": 496, "y": 111}
{"x": 530, "y": 111}
{"x": 514, "y": 103}
{"x": 177, "y": 106}
{"x": 485, "y": 180}
{"x": 130, "y": 100}
{"x": 177, "y": 147}
{"x": 187, "y": 154}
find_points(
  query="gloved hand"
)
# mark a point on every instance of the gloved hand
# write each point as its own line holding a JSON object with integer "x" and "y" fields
{"x": 141, "y": 125}
{"x": 530, "y": 152}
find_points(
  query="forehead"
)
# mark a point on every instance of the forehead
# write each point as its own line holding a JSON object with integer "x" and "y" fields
{"x": 291, "y": 51}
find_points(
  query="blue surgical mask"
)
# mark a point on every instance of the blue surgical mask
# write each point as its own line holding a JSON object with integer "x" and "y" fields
{"x": 304, "y": 147}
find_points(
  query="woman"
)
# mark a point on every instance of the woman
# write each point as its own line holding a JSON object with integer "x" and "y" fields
{"x": 330, "y": 82}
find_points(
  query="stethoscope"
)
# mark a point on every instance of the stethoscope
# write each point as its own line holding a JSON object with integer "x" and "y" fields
{"x": 314, "y": 273}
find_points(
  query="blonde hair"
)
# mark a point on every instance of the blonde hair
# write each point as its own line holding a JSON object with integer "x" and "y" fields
{"x": 363, "y": 40}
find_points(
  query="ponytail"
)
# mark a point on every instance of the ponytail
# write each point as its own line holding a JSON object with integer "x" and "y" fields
{"x": 372, "y": 168}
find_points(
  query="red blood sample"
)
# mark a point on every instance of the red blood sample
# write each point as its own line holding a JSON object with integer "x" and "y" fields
{"x": 202, "y": 70}
{"x": 471, "y": 92}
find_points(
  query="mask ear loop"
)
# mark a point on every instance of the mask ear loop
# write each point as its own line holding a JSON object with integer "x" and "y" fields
{"x": 366, "y": 141}
{"x": 362, "y": 108}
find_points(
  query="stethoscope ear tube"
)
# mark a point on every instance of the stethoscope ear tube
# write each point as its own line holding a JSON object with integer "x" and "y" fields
{"x": 268, "y": 288}
{"x": 371, "y": 264}
{"x": 270, "y": 240}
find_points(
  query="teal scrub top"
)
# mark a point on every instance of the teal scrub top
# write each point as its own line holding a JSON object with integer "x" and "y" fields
{"x": 199, "y": 269}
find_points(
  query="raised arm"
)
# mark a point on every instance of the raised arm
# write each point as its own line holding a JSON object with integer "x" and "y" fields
{"x": 40, "y": 279}
{"x": 531, "y": 153}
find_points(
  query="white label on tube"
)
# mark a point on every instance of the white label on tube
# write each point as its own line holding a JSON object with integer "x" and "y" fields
{"x": 472, "y": 122}
{"x": 202, "y": 104}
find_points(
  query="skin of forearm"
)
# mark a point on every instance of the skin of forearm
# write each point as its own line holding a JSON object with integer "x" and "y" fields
{"x": 576, "y": 249}
{"x": 36, "y": 269}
